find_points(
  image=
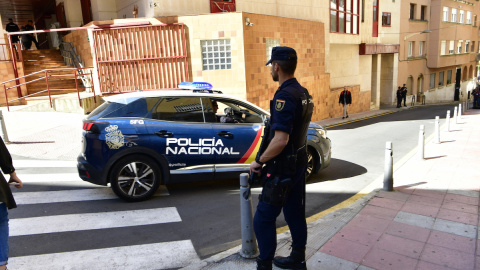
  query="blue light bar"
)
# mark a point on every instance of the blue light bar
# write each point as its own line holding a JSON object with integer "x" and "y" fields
{"x": 195, "y": 85}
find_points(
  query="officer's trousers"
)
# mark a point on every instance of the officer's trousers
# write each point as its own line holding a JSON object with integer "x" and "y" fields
{"x": 264, "y": 222}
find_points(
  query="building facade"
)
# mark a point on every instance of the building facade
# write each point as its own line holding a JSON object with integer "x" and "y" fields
{"x": 438, "y": 55}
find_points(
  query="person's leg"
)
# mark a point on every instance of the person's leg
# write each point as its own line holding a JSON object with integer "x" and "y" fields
{"x": 264, "y": 223}
{"x": 294, "y": 212}
{"x": 344, "y": 110}
{"x": 3, "y": 235}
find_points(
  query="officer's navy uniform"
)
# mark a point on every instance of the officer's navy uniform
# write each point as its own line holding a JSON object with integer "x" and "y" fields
{"x": 12, "y": 27}
{"x": 291, "y": 111}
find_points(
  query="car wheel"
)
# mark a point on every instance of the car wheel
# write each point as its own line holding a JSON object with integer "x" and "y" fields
{"x": 135, "y": 178}
{"x": 312, "y": 160}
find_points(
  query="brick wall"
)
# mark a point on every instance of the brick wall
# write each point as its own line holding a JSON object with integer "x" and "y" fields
{"x": 308, "y": 39}
{"x": 79, "y": 39}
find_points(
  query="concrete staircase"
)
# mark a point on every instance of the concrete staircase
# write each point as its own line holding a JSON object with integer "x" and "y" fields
{"x": 37, "y": 60}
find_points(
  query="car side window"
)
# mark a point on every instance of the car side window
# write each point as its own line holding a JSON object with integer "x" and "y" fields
{"x": 230, "y": 111}
{"x": 179, "y": 109}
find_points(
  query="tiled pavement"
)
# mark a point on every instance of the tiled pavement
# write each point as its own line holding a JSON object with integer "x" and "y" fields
{"x": 431, "y": 219}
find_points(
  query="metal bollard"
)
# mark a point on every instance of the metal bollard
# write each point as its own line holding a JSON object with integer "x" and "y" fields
{"x": 448, "y": 120}
{"x": 249, "y": 241}
{"x": 421, "y": 143}
{"x": 460, "y": 108}
{"x": 4, "y": 129}
{"x": 388, "y": 172}
{"x": 437, "y": 129}
{"x": 455, "y": 113}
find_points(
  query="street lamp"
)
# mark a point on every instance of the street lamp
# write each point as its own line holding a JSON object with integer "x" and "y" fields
{"x": 413, "y": 34}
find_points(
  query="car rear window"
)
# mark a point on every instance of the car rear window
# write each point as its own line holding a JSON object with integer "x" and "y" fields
{"x": 138, "y": 108}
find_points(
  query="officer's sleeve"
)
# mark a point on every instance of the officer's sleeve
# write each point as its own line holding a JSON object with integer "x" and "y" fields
{"x": 283, "y": 112}
{"x": 5, "y": 159}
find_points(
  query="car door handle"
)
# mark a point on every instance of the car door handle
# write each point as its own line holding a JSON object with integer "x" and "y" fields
{"x": 164, "y": 133}
{"x": 225, "y": 134}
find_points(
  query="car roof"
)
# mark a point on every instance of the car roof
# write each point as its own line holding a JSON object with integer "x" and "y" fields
{"x": 132, "y": 96}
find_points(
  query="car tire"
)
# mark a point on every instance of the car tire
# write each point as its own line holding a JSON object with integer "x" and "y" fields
{"x": 311, "y": 162}
{"x": 135, "y": 178}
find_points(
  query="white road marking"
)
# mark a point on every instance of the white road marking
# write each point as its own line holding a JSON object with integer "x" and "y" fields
{"x": 167, "y": 255}
{"x": 92, "y": 221}
{"x": 53, "y": 177}
{"x": 35, "y": 163}
{"x": 102, "y": 193}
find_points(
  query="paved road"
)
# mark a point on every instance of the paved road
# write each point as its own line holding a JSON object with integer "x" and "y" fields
{"x": 63, "y": 219}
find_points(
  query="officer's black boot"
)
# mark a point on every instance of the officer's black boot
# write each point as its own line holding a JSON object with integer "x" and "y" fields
{"x": 295, "y": 261}
{"x": 264, "y": 265}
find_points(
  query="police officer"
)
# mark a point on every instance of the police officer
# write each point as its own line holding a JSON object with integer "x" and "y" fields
{"x": 283, "y": 165}
{"x": 12, "y": 27}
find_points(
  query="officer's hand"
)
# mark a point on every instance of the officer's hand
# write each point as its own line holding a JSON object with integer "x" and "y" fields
{"x": 255, "y": 167}
{"x": 14, "y": 180}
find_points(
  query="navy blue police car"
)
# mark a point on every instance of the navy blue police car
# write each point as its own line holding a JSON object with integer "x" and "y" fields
{"x": 137, "y": 141}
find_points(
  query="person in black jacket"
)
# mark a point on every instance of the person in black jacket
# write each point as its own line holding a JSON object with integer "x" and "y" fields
{"x": 30, "y": 27}
{"x": 12, "y": 27}
{"x": 399, "y": 97}
{"x": 6, "y": 200}
{"x": 404, "y": 95}
{"x": 344, "y": 100}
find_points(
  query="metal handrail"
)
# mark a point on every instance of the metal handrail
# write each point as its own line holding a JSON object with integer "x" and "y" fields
{"x": 75, "y": 75}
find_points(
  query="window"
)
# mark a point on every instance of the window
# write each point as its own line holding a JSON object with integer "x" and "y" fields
{"x": 432, "y": 80}
{"x": 423, "y": 14}
{"x": 228, "y": 111}
{"x": 451, "y": 48}
{"x": 216, "y": 54}
{"x": 412, "y": 11}
{"x": 386, "y": 18}
{"x": 440, "y": 78}
{"x": 462, "y": 16}
{"x": 271, "y": 42}
{"x": 443, "y": 47}
{"x": 467, "y": 46}
{"x": 474, "y": 20}
{"x": 420, "y": 48}
{"x": 473, "y": 46}
{"x": 454, "y": 15}
{"x": 445, "y": 14}
{"x": 469, "y": 17}
{"x": 344, "y": 16}
{"x": 183, "y": 109}
{"x": 411, "y": 45}
{"x": 459, "y": 46}
{"x": 449, "y": 77}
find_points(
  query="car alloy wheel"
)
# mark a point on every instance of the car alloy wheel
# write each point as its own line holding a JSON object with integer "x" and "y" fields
{"x": 311, "y": 158}
{"x": 135, "y": 178}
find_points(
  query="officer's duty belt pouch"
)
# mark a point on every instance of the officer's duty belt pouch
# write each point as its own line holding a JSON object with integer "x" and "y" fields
{"x": 275, "y": 190}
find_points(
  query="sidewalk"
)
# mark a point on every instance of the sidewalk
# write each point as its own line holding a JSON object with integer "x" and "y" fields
{"x": 430, "y": 221}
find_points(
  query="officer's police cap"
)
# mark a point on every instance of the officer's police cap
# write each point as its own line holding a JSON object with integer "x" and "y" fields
{"x": 282, "y": 53}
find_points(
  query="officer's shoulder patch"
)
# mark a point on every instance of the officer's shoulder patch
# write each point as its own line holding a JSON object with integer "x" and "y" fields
{"x": 279, "y": 104}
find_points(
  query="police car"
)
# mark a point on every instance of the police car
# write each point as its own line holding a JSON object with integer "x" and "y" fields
{"x": 137, "y": 141}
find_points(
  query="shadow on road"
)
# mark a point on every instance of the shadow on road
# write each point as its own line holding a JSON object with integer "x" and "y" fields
{"x": 338, "y": 169}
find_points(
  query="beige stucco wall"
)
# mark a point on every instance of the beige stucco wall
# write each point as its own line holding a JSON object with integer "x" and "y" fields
{"x": 209, "y": 27}
{"x": 105, "y": 10}
{"x": 73, "y": 12}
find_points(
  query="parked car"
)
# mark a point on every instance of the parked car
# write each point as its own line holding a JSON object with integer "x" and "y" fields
{"x": 137, "y": 141}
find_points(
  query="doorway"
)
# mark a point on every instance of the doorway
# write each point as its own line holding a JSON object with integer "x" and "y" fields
{"x": 458, "y": 79}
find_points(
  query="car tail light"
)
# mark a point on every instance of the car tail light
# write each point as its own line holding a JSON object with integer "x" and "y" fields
{"x": 92, "y": 126}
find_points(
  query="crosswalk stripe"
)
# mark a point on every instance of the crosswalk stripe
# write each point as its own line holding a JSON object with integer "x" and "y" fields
{"x": 92, "y": 221}
{"x": 35, "y": 163}
{"x": 166, "y": 255}
{"x": 102, "y": 193}
{"x": 54, "y": 177}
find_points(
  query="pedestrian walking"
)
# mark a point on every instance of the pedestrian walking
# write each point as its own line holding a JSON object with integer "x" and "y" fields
{"x": 283, "y": 165}
{"x": 12, "y": 27}
{"x": 476, "y": 98}
{"x": 6, "y": 200}
{"x": 404, "y": 95}
{"x": 31, "y": 27}
{"x": 344, "y": 100}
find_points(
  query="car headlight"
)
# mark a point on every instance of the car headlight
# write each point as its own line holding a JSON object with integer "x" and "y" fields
{"x": 322, "y": 132}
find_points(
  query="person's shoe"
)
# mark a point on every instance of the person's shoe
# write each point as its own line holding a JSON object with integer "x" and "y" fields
{"x": 343, "y": 117}
{"x": 264, "y": 265}
{"x": 347, "y": 116}
{"x": 295, "y": 261}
